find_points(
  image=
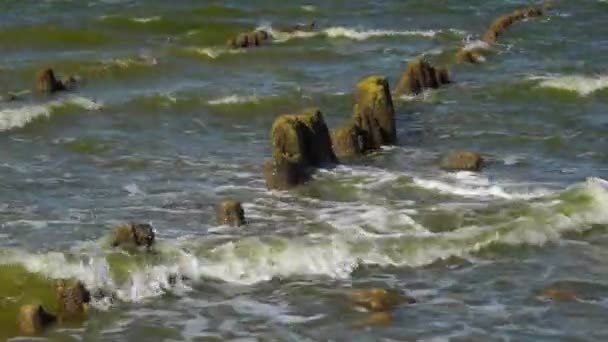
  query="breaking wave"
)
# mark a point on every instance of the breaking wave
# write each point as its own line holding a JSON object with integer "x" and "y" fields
{"x": 17, "y": 117}
{"x": 395, "y": 239}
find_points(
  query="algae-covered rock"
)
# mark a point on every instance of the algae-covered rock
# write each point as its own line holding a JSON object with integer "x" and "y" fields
{"x": 33, "y": 319}
{"x": 420, "y": 75}
{"x": 133, "y": 235}
{"x": 462, "y": 161}
{"x": 378, "y": 299}
{"x": 46, "y": 83}
{"x": 72, "y": 300}
{"x": 302, "y": 139}
{"x": 230, "y": 213}
{"x": 300, "y": 142}
{"x": 502, "y": 23}
{"x": 347, "y": 141}
{"x": 374, "y": 114}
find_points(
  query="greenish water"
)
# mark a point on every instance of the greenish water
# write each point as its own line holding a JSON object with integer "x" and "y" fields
{"x": 167, "y": 123}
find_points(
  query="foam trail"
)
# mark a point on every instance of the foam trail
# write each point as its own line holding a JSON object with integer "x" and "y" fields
{"x": 213, "y": 52}
{"x": 346, "y": 32}
{"x": 583, "y": 85}
{"x": 145, "y": 20}
{"x": 233, "y": 99}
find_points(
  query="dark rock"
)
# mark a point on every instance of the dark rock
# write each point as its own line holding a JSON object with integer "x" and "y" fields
{"x": 231, "y": 213}
{"x": 33, "y": 319}
{"x": 46, "y": 83}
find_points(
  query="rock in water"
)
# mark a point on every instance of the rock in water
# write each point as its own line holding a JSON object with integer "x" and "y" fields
{"x": 231, "y": 213}
{"x": 347, "y": 141}
{"x": 373, "y": 113}
{"x": 46, "y": 83}
{"x": 283, "y": 174}
{"x": 421, "y": 75}
{"x": 249, "y": 39}
{"x": 299, "y": 142}
{"x": 72, "y": 300}
{"x": 33, "y": 319}
{"x": 558, "y": 295}
{"x": 462, "y": 161}
{"x": 133, "y": 235}
{"x": 379, "y": 300}
{"x": 502, "y": 23}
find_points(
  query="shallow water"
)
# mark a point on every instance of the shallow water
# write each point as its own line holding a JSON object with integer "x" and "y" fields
{"x": 168, "y": 122}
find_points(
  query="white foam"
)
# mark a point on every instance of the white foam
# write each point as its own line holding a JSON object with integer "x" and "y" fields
{"x": 144, "y": 20}
{"x": 309, "y": 8}
{"x": 253, "y": 259}
{"x": 143, "y": 60}
{"x": 358, "y": 34}
{"x": 584, "y": 85}
{"x": 214, "y": 52}
{"x": 361, "y": 34}
{"x": 472, "y": 185}
{"x": 475, "y": 44}
{"x": 18, "y": 117}
{"x": 233, "y": 99}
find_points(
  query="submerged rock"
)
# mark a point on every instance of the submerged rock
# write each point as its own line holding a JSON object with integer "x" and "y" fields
{"x": 283, "y": 174}
{"x": 249, "y": 39}
{"x": 299, "y": 142}
{"x": 462, "y": 161}
{"x": 133, "y": 235}
{"x": 231, "y": 213}
{"x": 378, "y": 299}
{"x": 502, "y": 23}
{"x": 72, "y": 300}
{"x": 420, "y": 75}
{"x": 382, "y": 318}
{"x": 33, "y": 319}
{"x": 297, "y": 28}
{"x": 555, "y": 294}
{"x": 374, "y": 114}
{"x": 46, "y": 83}
{"x": 473, "y": 56}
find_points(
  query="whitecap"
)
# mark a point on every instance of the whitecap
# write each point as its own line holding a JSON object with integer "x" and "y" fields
{"x": 583, "y": 85}
{"x": 233, "y": 99}
{"x": 18, "y": 117}
{"x": 144, "y": 20}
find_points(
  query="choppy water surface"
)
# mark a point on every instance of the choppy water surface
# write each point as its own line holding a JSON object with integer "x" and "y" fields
{"x": 169, "y": 122}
